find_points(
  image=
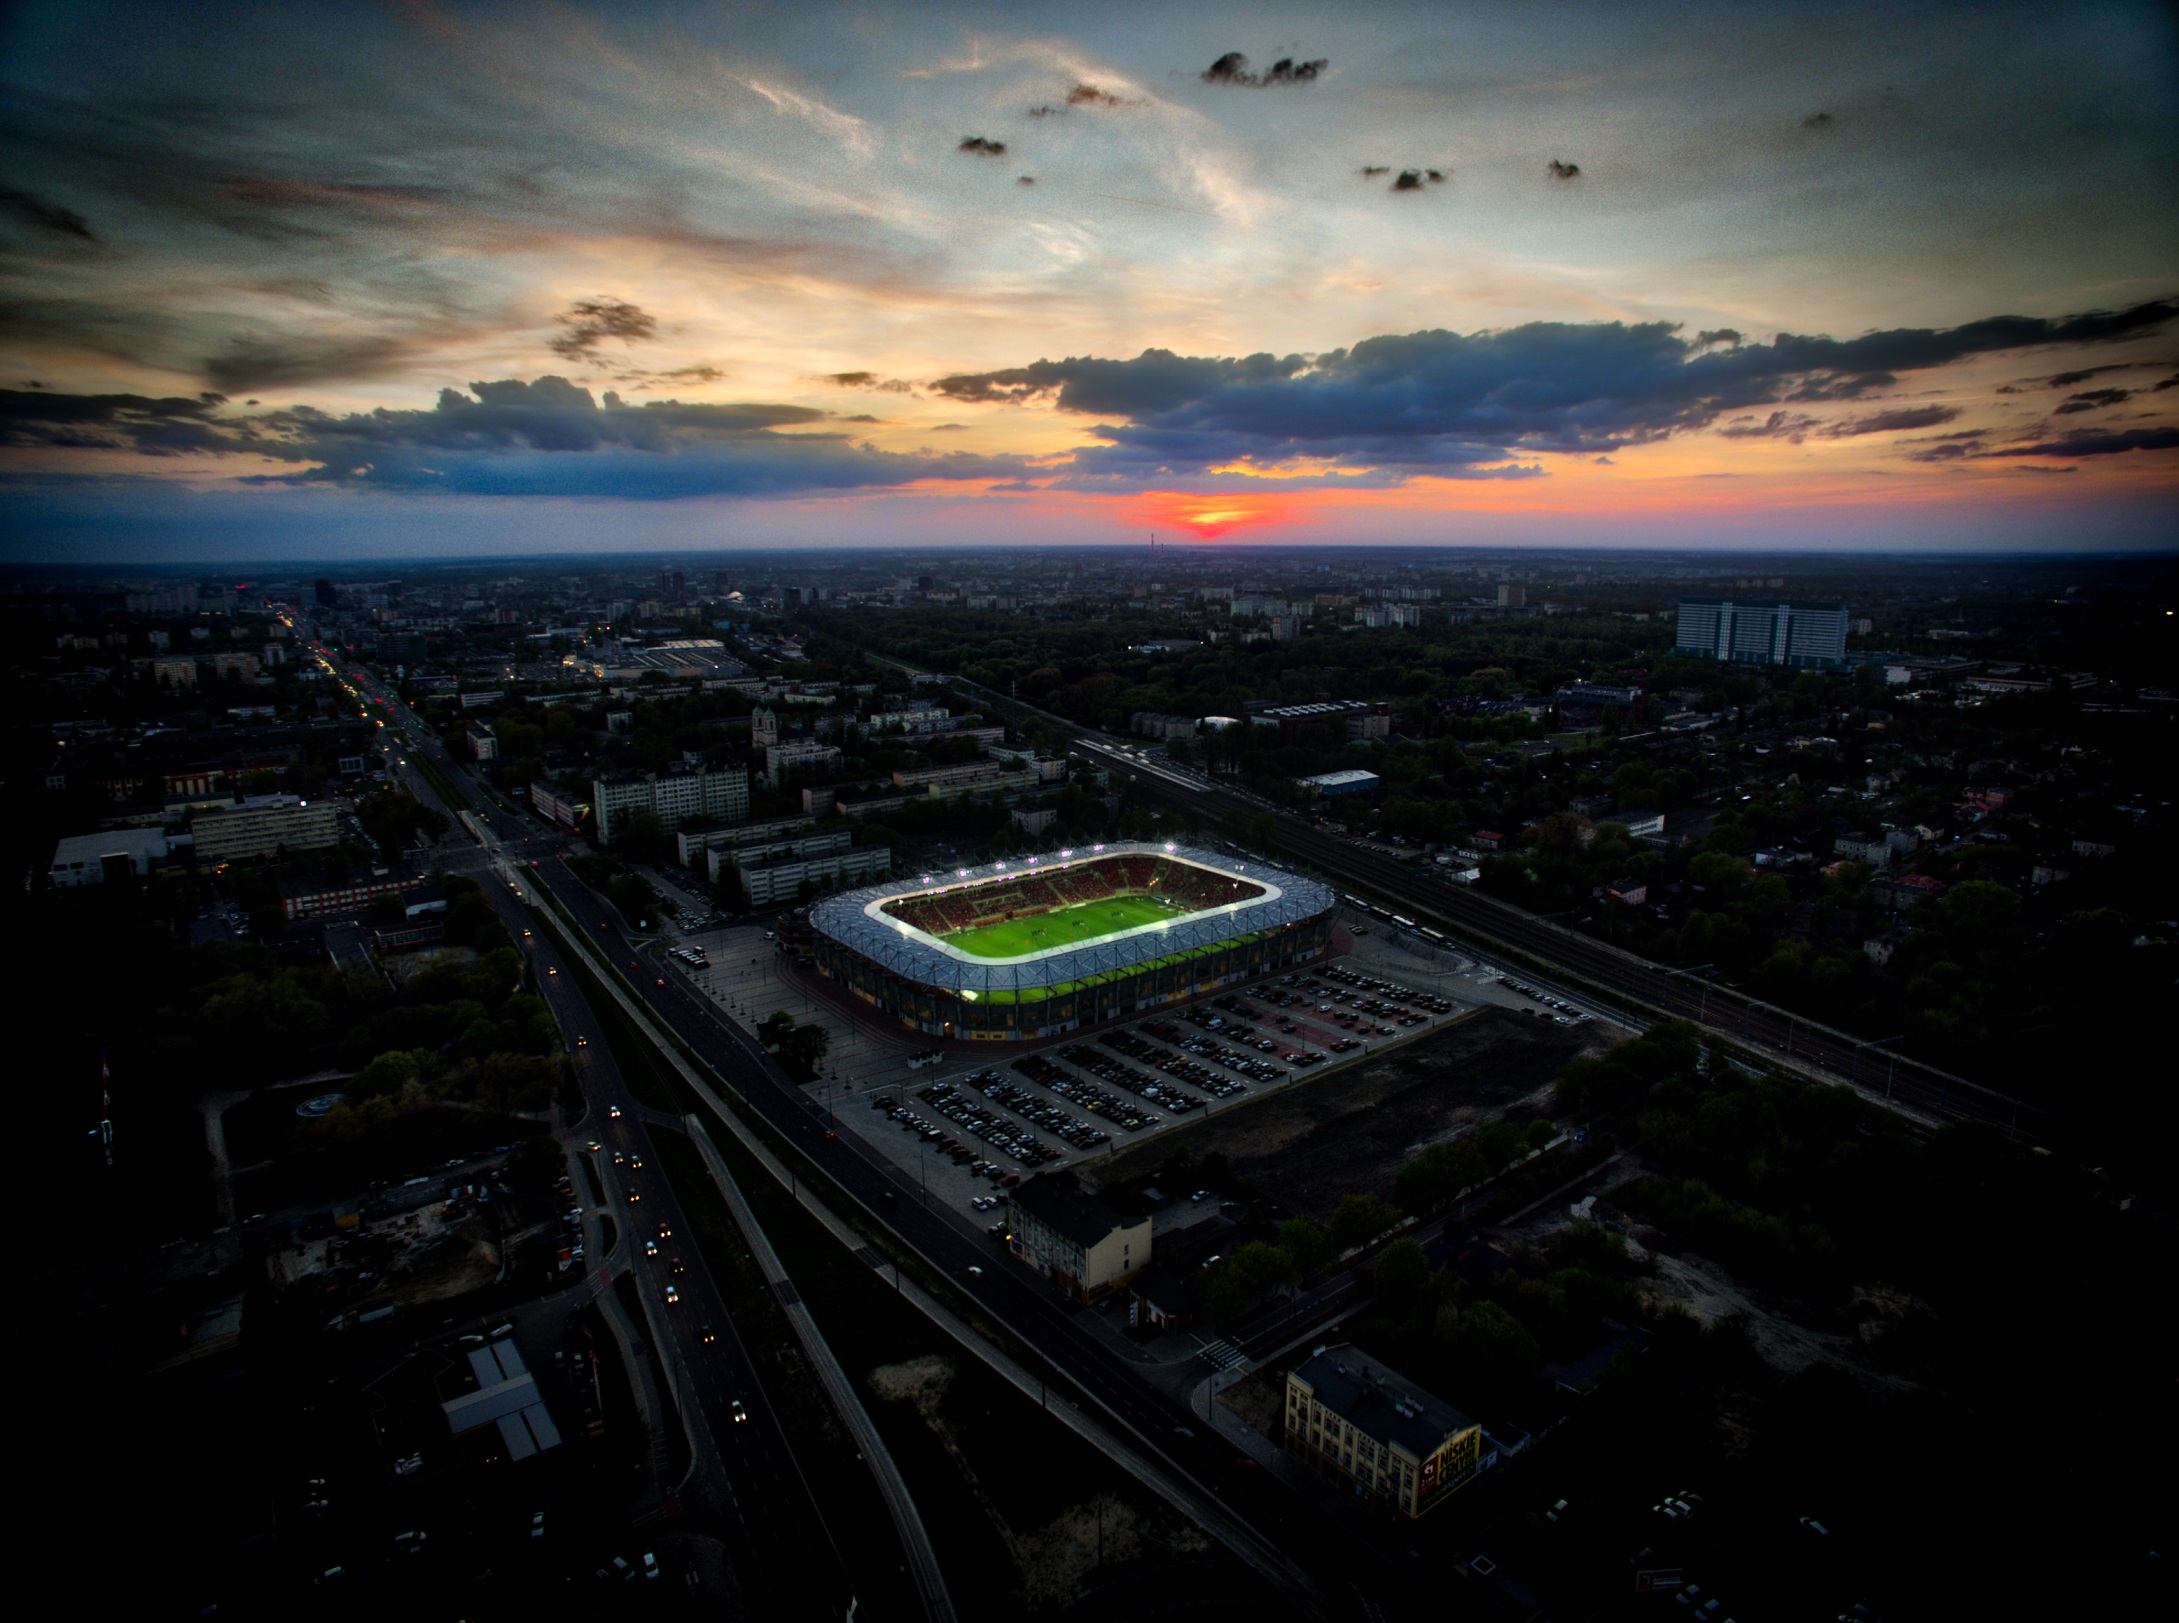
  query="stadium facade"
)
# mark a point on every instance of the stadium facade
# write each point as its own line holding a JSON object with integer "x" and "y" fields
{"x": 1229, "y": 921}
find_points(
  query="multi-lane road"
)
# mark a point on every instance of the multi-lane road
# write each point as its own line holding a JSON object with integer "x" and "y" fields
{"x": 743, "y": 1467}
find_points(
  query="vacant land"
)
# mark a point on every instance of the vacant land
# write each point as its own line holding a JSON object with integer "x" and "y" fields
{"x": 1348, "y": 1132}
{"x": 1064, "y": 926}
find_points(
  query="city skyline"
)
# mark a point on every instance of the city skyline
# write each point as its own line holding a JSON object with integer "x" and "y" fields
{"x": 473, "y": 281}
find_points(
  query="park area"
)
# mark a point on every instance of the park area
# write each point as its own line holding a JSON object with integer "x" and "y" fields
{"x": 1063, "y": 927}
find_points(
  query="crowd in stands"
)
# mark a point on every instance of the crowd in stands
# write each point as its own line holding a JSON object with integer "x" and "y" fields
{"x": 1181, "y": 885}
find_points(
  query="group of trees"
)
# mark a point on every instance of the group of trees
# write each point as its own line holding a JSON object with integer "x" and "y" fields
{"x": 799, "y": 1046}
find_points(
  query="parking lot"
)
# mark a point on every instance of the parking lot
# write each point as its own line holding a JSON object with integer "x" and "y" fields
{"x": 967, "y": 1130}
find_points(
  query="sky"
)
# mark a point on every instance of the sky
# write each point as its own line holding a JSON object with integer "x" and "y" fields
{"x": 403, "y": 279}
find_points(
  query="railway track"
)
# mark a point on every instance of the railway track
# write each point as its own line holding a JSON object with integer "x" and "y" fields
{"x": 1773, "y": 1035}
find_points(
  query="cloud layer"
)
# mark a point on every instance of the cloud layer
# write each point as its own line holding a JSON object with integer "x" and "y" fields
{"x": 544, "y": 437}
{"x": 1451, "y": 403}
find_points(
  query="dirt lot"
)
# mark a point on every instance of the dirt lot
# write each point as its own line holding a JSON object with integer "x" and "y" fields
{"x": 1349, "y": 1131}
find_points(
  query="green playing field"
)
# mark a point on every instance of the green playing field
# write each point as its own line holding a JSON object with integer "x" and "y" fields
{"x": 1016, "y": 938}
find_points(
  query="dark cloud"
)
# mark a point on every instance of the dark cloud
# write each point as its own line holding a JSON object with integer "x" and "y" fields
{"x": 294, "y": 359}
{"x": 1715, "y": 336}
{"x": 590, "y": 322}
{"x": 46, "y": 216}
{"x": 151, "y": 426}
{"x": 2066, "y": 380}
{"x": 861, "y": 417}
{"x": 1558, "y": 170}
{"x": 1408, "y": 180}
{"x": 1779, "y": 425}
{"x": 1370, "y": 171}
{"x": 2077, "y": 443}
{"x": 2082, "y": 442}
{"x": 979, "y": 147}
{"x": 2091, "y": 400}
{"x": 546, "y": 436}
{"x": 1232, "y": 69}
{"x": 1435, "y": 176}
{"x": 1891, "y": 422}
{"x": 1047, "y": 111}
{"x": 1818, "y": 121}
{"x": 869, "y": 380}
{"x": 2171, "y": 382}
{"x": 1429, "y": 402}
{"x": 680, "y": 375}
{"x": 1026, "y": 180}
{"x": 1091, "y": 96}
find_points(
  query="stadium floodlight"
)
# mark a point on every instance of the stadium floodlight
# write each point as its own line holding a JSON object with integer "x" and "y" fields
{"x": 1171, "y": 847}
{"x": 1096, "y": 848}
{"x": 1066, "y": 853}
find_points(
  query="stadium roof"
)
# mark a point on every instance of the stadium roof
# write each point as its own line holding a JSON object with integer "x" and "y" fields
{"x": 855, "y": 920}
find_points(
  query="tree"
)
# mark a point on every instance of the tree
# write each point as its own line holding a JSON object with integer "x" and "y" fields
{"x": 1360, "y": 1219}
{"x": 1234, "y": 1285}
{"x": 1402, "y": 1276}
{"x": 1309, "y": 1246}
{"x": 799, "y": 1048}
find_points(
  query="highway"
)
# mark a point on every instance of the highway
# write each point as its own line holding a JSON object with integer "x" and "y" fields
{"x": 743, "y": 1469}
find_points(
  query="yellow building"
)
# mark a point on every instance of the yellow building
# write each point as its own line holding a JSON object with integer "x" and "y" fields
{"x": 1355, "y": 1421}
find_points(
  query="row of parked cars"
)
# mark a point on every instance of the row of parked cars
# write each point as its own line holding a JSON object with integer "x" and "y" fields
{"x": 948, "y": 1100}
{"x": 1563, "y": 1013}
{"x": 1107, "y": 1069}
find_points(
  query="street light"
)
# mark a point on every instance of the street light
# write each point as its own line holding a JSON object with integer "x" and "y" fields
{"x": 1704, "y": 1007}
{"x": 1880, "y": 1042}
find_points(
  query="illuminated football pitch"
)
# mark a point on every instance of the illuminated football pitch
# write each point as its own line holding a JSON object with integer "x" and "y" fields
{"x": 1064, "y": 927}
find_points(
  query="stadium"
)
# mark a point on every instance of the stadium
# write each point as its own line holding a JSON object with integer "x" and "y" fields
{"x": 1043, "y": 945}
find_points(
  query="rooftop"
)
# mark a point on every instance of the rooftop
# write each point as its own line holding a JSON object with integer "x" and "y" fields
{"x": 1379, "y": 1401}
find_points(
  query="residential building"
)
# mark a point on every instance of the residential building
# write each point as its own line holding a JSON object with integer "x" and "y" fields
{"x": 313, "y": 898}
{"x": 558, "y": 805}
{"x": 922, "y": 718}
{"x": 674, "y": 797}
{"x": 1151, "y": 724}
{"x": 768, "y": 884}
{"x": 1360, "y": 1423}
{"x": 799, "y": 758}
{"x": 263, "y": 826}
{"x": 1285, "y": 627}
{"x": 1075, "y": 1239}
{"x": 1812, "y": 634}
{"x": 695, "y": 842}
{"x": 721, "y": 855}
